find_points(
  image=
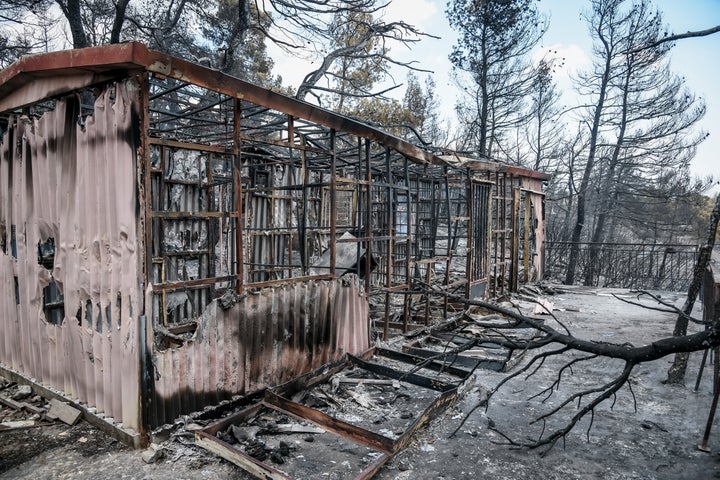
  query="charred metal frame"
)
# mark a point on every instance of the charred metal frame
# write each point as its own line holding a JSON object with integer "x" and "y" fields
{"x": 278, "y": 398}
{"x": 313, "y": 203}
{"x": 246, "y": 216}
{"x": 516, "y": 238}
{"x": 280, "y": 182}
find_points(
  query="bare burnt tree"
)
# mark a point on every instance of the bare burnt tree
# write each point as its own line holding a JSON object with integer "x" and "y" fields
{"x": 649, "y": 127}
{"x": 73, "y": 13}
{"x": 640, "y": 121}
{"x": 544, "y": 130}
{"x": 167, "y": 26}
{"x": 309, "y": 29}
{"x": 605, "y": 21}
{"x": 492, "y": 66}
{"x": 355, "y": 55}
{"x": 232, "y": 46}
{"x": 676, "y": 372}
{"x": 230, "y": 34}
{"x": 561, "y": 192}
{"x": 98, "y": 22}
{"x": 421, "y": 106}
{"x": 24, "y": 28}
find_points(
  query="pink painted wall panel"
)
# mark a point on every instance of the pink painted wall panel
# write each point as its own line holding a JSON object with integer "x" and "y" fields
{"x": 266, "y": 338}
{"x": 73, "y": 180}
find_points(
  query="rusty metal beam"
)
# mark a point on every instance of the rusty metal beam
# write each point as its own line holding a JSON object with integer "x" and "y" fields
{"x": 344, "y": 429}
{"x": 485, "y": 166}
{"x": 415, "y": 379}
{"x": 310, "y": 379}
{"x": 456, "y": 359}
{"x": 434, "y": 365}
{"x": 207, "y": 439}
{"x": 97, "y": 63}
{"x": 515, "y": 240}
{"x": 438, "y": 406}
{"x": 333, "y": 204}
{"x": 189, "y": 146}
{"x": 246, "y": 462}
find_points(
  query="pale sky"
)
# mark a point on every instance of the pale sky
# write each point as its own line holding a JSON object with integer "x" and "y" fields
{"x": 697, "y": 59}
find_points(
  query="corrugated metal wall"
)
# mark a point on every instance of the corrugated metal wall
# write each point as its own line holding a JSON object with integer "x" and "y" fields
{"x": 264, "y": 339}
{"x": 229, "y": 197}
{"x": 71, "y": 323}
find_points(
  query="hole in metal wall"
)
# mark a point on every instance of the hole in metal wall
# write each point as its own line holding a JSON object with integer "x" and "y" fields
{"x": 53, "y": 301}
{"x": 13, "y": 242}
{"x": 96, "y": 322}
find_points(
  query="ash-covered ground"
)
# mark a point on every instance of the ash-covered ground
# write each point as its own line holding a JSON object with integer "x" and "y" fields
{"x": 651, "y": 435}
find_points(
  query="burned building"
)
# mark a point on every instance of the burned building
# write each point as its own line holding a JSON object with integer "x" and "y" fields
{"x": 172, "y": 236}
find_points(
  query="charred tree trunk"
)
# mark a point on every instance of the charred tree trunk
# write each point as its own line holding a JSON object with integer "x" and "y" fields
{"x": 120, "y": 9}
{"x": 589, "y": 166}
{"x": 71, "y": 10}
{"x": 676, "y": 372}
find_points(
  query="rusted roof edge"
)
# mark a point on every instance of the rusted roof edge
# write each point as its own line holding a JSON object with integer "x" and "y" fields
{"x": 183, "y": 70}
{"x": 135, "y": 55}
{"x": 477, "y": 165}
{"x": 95, "y": 60}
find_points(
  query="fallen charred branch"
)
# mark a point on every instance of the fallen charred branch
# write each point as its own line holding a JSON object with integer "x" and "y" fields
{"x": 669, "y": 308}
{"x": 588, "y": 398}
{"x": 646, "y": 353}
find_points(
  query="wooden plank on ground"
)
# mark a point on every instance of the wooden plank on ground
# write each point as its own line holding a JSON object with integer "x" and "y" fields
{"x": 247, "y": 463}
{"x": 11, "y": 403}
{"x": 17, "y": 424}
{"x": 32, "y": 408}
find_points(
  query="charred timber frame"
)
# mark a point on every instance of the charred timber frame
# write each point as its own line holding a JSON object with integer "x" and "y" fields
{"x": 103, "y": 64}
{"x": 277, "y": 399}
{"x": 241, "y": 203}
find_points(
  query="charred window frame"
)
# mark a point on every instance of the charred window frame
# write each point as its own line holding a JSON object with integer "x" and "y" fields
{"x": 53, "y": 301}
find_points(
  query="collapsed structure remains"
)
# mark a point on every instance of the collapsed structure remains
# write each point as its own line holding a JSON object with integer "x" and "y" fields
{"x": 172, "y": 236}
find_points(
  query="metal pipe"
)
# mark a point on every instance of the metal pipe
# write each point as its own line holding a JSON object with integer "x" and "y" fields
{"x": 713, "y": 407}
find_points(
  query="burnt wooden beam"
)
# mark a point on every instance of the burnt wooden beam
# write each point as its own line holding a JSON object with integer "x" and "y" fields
{"x": 413, "y": 378}
{"x": 434, "y": 365}
{"x": 246, "y": 462}
{"x": 344, "y": 429}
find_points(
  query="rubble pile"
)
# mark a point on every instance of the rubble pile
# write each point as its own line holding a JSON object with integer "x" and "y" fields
{"x": 297, "y": 446}
{"x": 20, "y": 407}
{"x": 345, "y": 420}
{"x": 369, "y": 401}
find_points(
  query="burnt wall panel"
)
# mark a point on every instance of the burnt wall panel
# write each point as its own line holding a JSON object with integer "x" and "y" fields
{"x": 68, "y": 198}
{"x": 267, "y": 337}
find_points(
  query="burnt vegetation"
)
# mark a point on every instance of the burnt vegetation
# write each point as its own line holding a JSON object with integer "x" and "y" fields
{"x": 621, "y": 176}
{"x": 559, "y": 342}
